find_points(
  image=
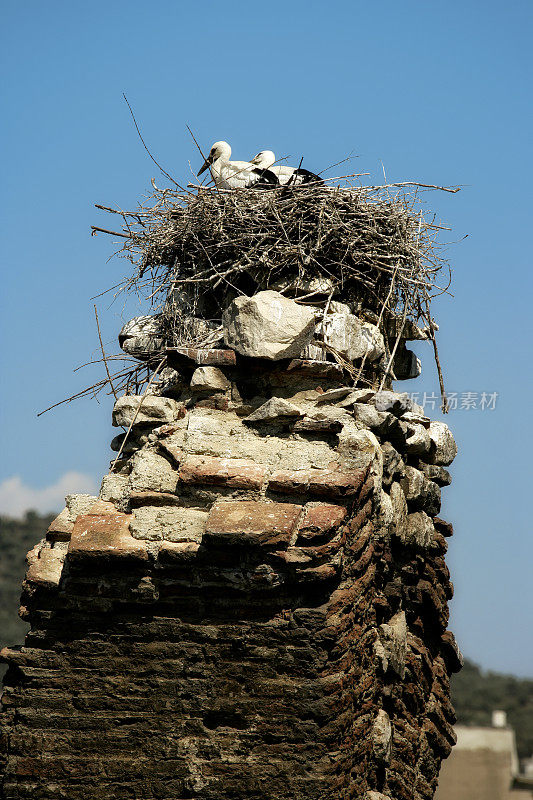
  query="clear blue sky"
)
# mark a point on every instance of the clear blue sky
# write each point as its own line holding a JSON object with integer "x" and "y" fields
{"x": 437, "y": 92}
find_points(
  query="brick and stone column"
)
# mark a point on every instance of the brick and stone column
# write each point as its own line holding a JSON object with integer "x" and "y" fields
{"x": 256, "y": 606}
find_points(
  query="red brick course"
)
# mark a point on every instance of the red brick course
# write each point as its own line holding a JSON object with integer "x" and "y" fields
{"x": 238, "y": 473}
{"x": 321, "y": 482}
{"x": 97, "y": 535}
{"x": 320, "y": 520}
{"x": 248, "y": 522}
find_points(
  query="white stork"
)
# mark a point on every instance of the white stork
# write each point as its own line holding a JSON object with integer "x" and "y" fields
{"x": 292, "y": 175}
{"x": 236, "y": 174}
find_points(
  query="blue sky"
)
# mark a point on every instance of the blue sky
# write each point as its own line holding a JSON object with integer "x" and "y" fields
{"x": 437, "y": 92}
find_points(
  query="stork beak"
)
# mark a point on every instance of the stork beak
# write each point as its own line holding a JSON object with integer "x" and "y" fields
{"x": 205, "y": 166}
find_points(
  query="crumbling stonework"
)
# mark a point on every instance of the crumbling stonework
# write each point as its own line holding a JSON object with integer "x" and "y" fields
{"x": 256, "y": 606}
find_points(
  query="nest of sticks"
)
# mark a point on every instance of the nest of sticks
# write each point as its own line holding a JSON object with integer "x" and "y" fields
{"x": 370, "y": 245}
{"x": 192, "y": 252}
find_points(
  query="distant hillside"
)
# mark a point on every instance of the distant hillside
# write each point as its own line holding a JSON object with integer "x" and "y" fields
{"x": 16, "y": 538}
{"x": 476, "y": 694}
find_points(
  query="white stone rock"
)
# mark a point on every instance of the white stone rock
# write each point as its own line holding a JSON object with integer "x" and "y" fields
{"x": 382, "y": 736}
{"x": 152, "y": 472}
{"x": 333, "y": 395}
{"x": 366, "y": 416}
{"x": 399, "y": 506}
{"x": 170, "y": 380}
{"x": 361, "y": 449}
{"x": 115, "y": 489}
{"x": 396, "y": 402}
{"x": 273, "y": 409}
{"x": 141, "y": 336}
{"x": 444, "y": 448}
{"x": 351, "y": 337}
{"x": 318, "y": 285}
{"x": 313, "y": 352}
{"x": 209, "y": 379}
{"x": 358, "y": 396}
{"x": 339, "y": 308}
{"x": 173, "y": 523}
{"x": 419, "y": 530}
{"x": 386, "y": 511}
{"x": 155, "y": 410}
{"x": 79, "y": 504}
{"x": 419, "y": 419}
{"x": 268, "y": 325}
{"x": 391, "y": 647}
{"x": 418, "y": 440}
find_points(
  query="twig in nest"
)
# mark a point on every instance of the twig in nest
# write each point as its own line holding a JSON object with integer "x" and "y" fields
{"x": 132, "y": 423}
{"x": 145, "y": 146}
{"x": 103, "y": 354}
{"x": 94, "y": 230}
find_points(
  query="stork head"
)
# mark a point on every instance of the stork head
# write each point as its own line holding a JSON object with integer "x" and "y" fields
{"x": 264, "y": 159}
{"x": 218, "y": 150}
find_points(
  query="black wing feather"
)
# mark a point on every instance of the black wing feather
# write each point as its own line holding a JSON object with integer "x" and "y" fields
{"x": 266, "y": 179}
{"x": 306, "y": 176}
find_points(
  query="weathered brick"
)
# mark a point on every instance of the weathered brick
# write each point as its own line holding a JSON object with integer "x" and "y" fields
{"x": 321, "y": 482}
{"x": 335, "y": 483}
{"x": 60, "y": 529}
{"x": 320, "y": 520}
{"x": 45, "y": 565}
{"x": 238, "y": 473}
{"x": 148, "y": 498}
{"x": 289, "y": 481}
{"x": 249, "y": 522}
{"x": 324, "y": 551}
{"x": 98, "y": 535}
{"x": 322, "y": 573}
{"x": 178, "y": 552}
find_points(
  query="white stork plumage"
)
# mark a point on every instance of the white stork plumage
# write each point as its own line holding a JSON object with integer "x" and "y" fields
{"x": 293, "y": 175}
{"x": 236, "y": 174}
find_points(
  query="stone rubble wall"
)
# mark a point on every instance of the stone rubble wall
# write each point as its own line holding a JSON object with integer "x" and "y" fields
{"x": 256, "y": 606}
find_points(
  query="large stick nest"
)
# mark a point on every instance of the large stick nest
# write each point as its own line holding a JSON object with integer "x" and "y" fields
{"x": 193, "y": 252}
{"x": 366, "y": 246}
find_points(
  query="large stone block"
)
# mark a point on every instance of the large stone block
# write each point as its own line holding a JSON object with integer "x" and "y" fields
{"x": 79, "y": 504}
{"x": 274, "y": 409}
{"x": 444, "y": 449}
{"x": 115, "y": 489}
{"x": 268, "y": 325}
{"x": 152, "y": 472}
{"x": 352, "y": 338}
{"x": 145, "y": 409}
{"x": 172, "y": 523}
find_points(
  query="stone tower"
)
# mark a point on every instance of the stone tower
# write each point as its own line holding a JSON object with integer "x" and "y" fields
{"x": 256, "y": 604}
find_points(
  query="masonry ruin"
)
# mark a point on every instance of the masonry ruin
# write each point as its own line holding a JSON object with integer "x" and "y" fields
{"x": 256, "y": 605}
